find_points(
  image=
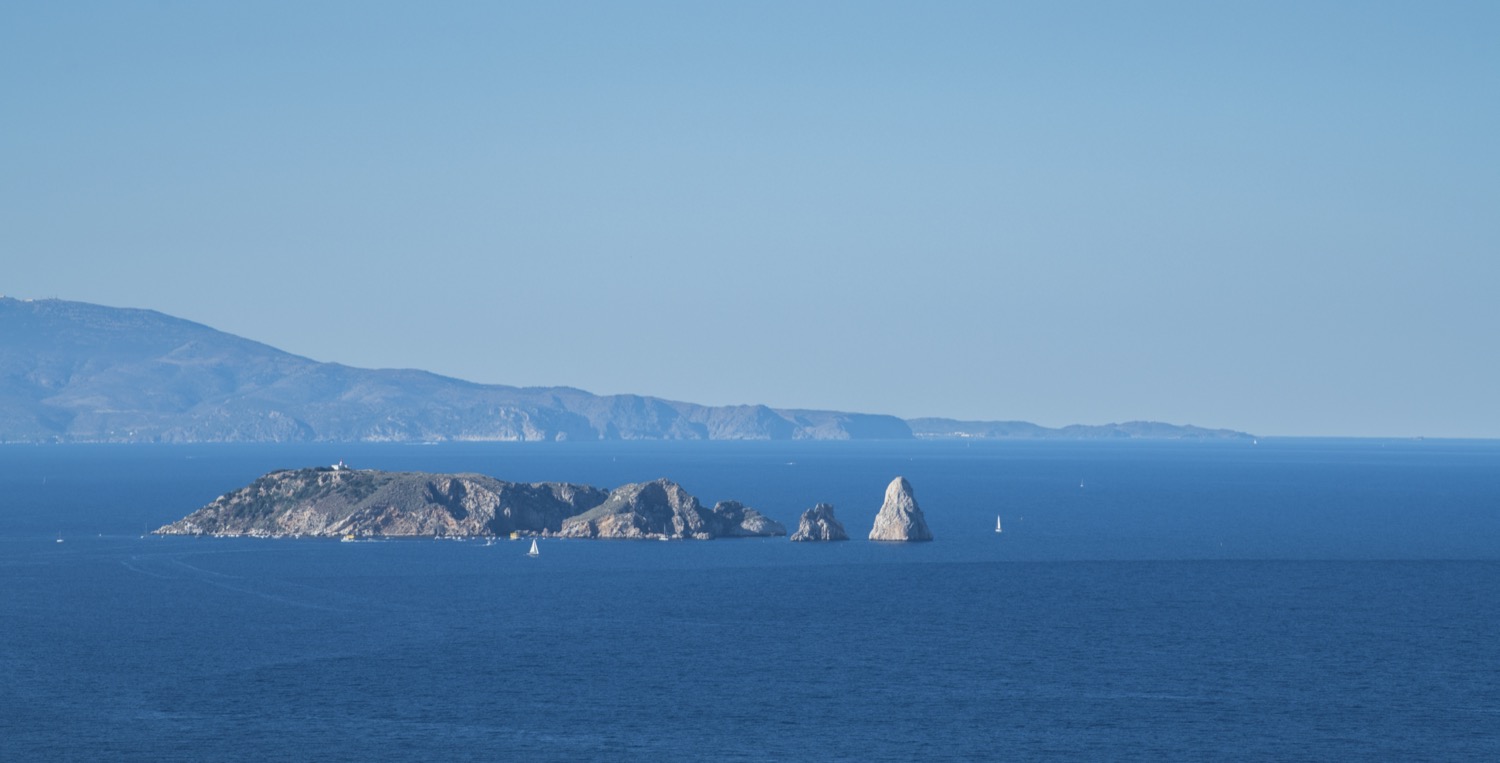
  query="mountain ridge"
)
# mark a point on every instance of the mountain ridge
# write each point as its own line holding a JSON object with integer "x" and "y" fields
{"x": 80, "y": 372}
{"x": 941, "y": 428}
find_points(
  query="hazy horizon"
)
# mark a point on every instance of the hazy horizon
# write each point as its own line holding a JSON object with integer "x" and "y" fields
{"x": 1275, "y": 218}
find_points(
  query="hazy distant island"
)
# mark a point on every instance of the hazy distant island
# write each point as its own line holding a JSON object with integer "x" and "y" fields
{"x": 78, "y": 372}
{"x": 353, "y": 504}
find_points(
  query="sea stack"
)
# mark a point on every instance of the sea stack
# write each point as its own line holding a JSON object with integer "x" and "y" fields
{"x": 900, "y": 519}
{"x": 819, "y": 524}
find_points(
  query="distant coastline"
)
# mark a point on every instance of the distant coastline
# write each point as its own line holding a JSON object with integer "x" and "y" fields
{"x": 74, "y": 372}
{"x": 953, "y": 429}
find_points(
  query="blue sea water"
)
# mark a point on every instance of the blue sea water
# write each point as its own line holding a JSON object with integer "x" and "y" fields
{"x": 1292, "y": 600}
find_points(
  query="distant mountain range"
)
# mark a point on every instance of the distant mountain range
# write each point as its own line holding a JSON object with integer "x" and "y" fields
{"x": 78, "y": 372}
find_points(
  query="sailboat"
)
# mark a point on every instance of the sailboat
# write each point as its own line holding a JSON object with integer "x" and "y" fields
{"x": 997, "y": 523}
{"x": 533, "y": 551}
{"x": 59, "y": 537}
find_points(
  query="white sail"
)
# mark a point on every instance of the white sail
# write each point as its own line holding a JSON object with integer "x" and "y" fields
{"x": 997, "y": 523}
{"x": 533, "y": 551}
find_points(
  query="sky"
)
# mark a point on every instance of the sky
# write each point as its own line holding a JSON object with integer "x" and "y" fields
{"x": 1282, "y": 218}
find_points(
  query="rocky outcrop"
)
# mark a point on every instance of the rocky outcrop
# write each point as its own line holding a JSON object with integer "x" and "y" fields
{"x": 326, "y": 502}
{"x": 340, "y": 502}
{"x": 900, "y": 519}
{"x": 662, "y": 509}
{"x": 740, "y": 521}
{"x": 819, "y": 524}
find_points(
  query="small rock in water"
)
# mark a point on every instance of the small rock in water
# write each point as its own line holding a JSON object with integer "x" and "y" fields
{"x": 819, "y": 524}
{"x": 900, "y": 519}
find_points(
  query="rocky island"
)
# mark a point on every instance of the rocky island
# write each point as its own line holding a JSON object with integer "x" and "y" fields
{"x": 900, "y": 518}
{"x": 662, "y": 509}
{"x": 819, "y": 524}
{"x": 339, "y": 502}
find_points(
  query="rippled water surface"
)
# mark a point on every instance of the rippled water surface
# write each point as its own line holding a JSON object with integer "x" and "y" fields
{"x": 1290, "y": 600}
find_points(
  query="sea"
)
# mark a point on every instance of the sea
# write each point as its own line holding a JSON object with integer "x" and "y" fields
{"x": 1280, "y": 599}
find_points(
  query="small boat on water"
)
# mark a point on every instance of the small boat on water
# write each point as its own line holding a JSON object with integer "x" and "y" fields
{"x": 59, "y": 537}
{"x": 533, "y": 551}
{"x": 997, "y": 523}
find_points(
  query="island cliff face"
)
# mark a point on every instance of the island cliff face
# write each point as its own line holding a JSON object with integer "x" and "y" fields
{"x": 338, "y": 502}
{"x": 819, "y": 524}
{"x": 662, "y": 509}
{"x": 900, "y": 519}
{"x": 326, "y": 502}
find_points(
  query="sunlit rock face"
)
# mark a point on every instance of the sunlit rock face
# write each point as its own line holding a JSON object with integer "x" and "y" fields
{"x": 819, "y": 524}
{"x": 661, "y": 509}
{"x": 365, "y": 503}
{"x": 900, "y": 518}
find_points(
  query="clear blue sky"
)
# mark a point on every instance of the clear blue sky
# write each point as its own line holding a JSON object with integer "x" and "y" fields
{"x": 1282, "y": 218}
